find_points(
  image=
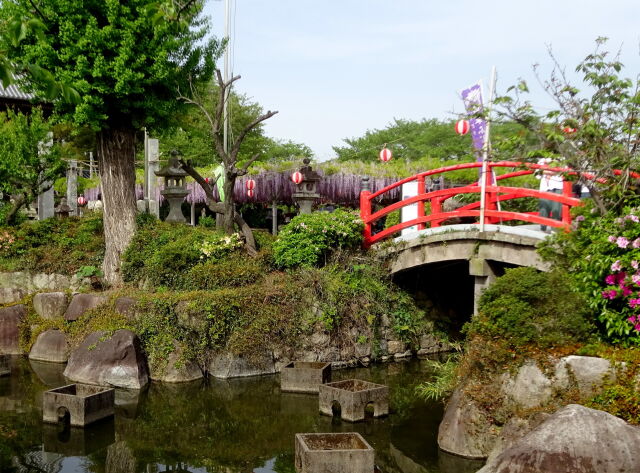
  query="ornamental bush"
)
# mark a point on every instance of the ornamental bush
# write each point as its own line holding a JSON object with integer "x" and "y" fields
{"x": 309, "y": 239}
{"x": 526, "y": 306}
{"x": 602, "y": 255}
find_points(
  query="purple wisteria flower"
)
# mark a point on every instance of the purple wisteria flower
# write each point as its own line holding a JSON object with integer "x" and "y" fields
{"x": 580, "y": 218}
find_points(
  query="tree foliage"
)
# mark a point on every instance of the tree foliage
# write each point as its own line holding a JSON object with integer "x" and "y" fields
{"x": 594, "y": 128}
{"x": 126, "y": 61}
{"x": 30, "y": 160}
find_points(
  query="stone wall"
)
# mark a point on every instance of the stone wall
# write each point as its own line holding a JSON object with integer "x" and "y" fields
{"x": 354, "y": 346}
{"x": 14, "y": 286}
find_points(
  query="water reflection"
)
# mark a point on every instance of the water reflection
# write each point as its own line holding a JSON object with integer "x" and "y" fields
{"x": 233, "y": 426}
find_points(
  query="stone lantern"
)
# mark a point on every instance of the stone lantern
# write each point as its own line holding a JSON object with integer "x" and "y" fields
{"x": 307, "y": 192}
{"x": 175, "y": 189}
{"x": 63, "y": 209}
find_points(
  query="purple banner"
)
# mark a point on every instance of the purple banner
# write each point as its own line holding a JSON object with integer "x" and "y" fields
{"x": 472, "y": 98}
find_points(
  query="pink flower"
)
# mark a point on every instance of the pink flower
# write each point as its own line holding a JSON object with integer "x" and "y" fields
{"x": 580, "y": 218}
{"x": 612, "y": 294}
{"x": 633, "y": 303}
{"x": 610, "y": 280}
{"x": 631, "y": 319}
{"x": 620, "y": 277}
{"x": 637, "y": 327}
{"x": 611, "y": 239}
{"x": 622, "y": 242}
{"x": 636, "y": 243}
{"x": 617, "y": 266}
{"x": 633, "y": 218}
{"x": 626, "y": 291}
{"x": 634, "y": 264}
{"x": 636, "y": 279}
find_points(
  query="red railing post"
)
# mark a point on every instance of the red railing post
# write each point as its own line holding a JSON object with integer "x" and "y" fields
{"x": 365, "y": 213}
{"x": 421, "y": 191}
{"x": 436, "y": 208}
{"x": 567, "y": 191}
{"x": 491, "y": 200}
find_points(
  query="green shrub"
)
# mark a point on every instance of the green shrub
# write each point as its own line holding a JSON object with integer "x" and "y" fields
{"x": 54, "y": 245}
{"x": 309, "y": 239}
{"x": 207, "y": 222}
{"x": 526, "y": 306}
{"x": 602, "y": 255}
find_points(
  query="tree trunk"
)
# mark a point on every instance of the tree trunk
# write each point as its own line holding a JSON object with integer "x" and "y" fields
{"x": 116, "y": 152}
{"x": 229, "y": 206}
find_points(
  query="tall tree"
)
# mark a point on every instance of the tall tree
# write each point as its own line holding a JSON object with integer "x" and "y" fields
{"x": 126, "y": 67}
{"x": 30, "y": 160}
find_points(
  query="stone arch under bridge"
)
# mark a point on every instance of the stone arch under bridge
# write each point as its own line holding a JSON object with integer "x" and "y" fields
{"x": 497, "y": 244}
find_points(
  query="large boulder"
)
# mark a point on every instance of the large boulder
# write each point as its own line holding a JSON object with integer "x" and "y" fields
{"x": 9, "y": 295}
{"x": 588, "y": 372}
{"x": 115, "y": 360}
{"x": 125, "y": 306}
{"x": 10, "y": 319}
{"x": 50, "y": 305}
{"x": 529, "y": 388}
{"x": 226, "y": 365}
{"x": 177, "y": 370}
{"x": 50, "y": 346}
{"x": 465, "y": 430}
{"x": 575, "y": 439}
{"x": 82, "y": 303}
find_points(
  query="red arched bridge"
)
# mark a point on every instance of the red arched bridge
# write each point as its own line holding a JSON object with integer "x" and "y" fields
{"x": 487, "y": 244}
{"x": 496, "y": 192}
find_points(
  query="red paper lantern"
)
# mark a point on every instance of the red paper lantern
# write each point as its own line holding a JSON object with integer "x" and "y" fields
{"x": 569, "y": 130}
{"x": 462, "y": 127}
{"x": 296, "y": 177}
{"x": 385, "y": 155}
{"x": 251, "y": 184}
{"x": 81, "y": 201}
{"x": 250, "y": 192}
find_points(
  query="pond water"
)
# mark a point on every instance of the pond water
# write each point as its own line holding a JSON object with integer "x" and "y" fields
{"x": 236, "y": 426}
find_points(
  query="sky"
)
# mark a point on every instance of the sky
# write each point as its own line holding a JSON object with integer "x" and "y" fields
{"x": 336, "y": 68}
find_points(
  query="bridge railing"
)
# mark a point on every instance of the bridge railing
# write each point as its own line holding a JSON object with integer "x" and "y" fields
{"x": 494, "y": 195}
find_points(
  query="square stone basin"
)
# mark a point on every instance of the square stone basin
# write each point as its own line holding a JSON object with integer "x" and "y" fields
{"x": 304, "y": 376}
{"x": 82, "y": 404}
{"x": 351, "y": 397}
{"x": 333, "y": 453}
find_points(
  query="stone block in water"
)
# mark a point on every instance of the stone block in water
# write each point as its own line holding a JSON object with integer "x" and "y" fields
{"x": 333, "y": 453}
{"x": 351, "y": 397}
{"x": 83, "y": 404}
{"x": 304, "y": 376}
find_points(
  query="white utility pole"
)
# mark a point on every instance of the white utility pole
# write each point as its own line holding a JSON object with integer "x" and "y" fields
{"x": 485, "y": 150}
{"x": 225, "y": 111}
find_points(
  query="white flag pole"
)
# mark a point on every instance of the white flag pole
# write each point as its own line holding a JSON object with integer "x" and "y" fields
{"x": 485, "y": 150}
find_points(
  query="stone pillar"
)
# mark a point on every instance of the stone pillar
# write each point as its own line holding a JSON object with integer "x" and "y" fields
{"x": 274, "y": 216}
{"x": 72, "y": 187}
{"x": 45, "y": 203}
{"x": 153, "y": 150}
{"x": 483, "y": 275}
